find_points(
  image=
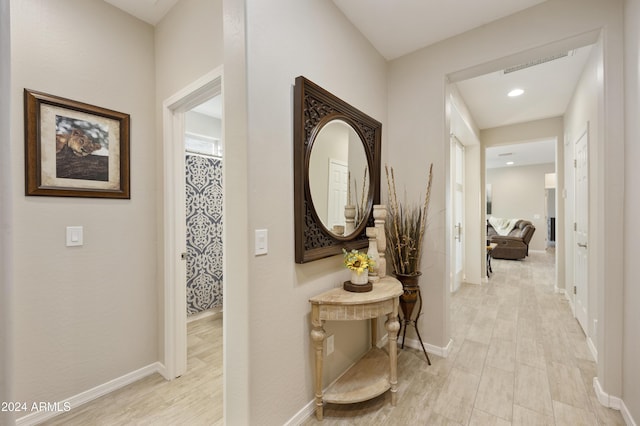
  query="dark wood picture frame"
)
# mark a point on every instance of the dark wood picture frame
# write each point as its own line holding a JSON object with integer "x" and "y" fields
{"x": 73, "y": 149}
{"x": 314, "y": 107}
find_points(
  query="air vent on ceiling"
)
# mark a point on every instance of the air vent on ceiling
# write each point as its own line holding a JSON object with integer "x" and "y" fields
{"x": 538, "y": 62}
{"x": 505, "y": 154}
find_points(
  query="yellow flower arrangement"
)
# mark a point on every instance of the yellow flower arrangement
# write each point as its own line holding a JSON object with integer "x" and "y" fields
{"x": 358, "y": 261}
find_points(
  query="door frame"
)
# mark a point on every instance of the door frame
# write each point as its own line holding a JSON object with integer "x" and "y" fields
{"x": 174, "y": 223}
{"x": 582, "y": 318}
{"x": 457, "y": 234}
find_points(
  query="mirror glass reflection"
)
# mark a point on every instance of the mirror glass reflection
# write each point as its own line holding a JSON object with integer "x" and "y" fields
{"x": 339, "y": 178}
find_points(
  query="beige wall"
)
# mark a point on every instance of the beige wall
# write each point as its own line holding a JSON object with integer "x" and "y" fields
{"x": 180, "y": 59}
{"x": 518, "y": 193}
{"x": 630, "y": 366}
{"x": 6, "y": 262}
{"x": 86, "y": 314}
{"x": 282, "y": 44}
{"x": 188, "y": 44}
{"x": 417, "y": 134}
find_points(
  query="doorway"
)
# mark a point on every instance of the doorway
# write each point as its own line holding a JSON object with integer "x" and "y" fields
{"x": 175, "y": 230}
{"x": 203, "y": 202}
{"x": 581, "y": 230}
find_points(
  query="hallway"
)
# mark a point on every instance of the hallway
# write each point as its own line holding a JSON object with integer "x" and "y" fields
{"x": 518, "y": 358}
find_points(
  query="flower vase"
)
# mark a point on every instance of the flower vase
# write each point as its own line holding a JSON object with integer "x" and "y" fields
{"x": 409, "y": 298}
{"x": 360, "y": 278}
{"x": 359, "y": 283}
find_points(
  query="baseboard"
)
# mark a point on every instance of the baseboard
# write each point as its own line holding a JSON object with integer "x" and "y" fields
{"x": 213, "y": 312}
{"x": 301, "y": 416}
{"x": 432, "y": 349}
{"x": 604, "y": 398}
{"x": 309, "y": 409}
{"x": 89, "y": 395}
{"x": 573, "y": 308}
{"x": 592, "y": 349}
{"x": 626, "y": 415}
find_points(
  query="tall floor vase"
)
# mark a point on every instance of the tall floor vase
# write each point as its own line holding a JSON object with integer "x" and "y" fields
{"x": 408, "y": 301}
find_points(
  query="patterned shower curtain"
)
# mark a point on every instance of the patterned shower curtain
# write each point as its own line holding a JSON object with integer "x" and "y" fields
{"x": 204, "y": 233}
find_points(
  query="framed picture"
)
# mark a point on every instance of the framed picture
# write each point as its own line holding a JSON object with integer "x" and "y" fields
{"x": 73, "y": 149}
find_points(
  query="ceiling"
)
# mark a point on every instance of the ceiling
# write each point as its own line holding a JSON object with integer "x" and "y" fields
{"x": 396, "y": 28}
{"x": 150, "y": 11}
{"x": 521, "y": 154}
{"x": 547, "y": 86}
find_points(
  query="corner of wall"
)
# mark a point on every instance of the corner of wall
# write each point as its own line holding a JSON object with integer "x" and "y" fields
{"x": 6, "y": 376}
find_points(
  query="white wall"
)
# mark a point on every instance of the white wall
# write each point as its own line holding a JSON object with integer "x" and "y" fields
{"x": 417, "y": 133}
{"x": 284, "y": 41}
{"x": 518, "y": 193}
{"x": 630, "y": 382}
{"x": 6, "y": 258}
{"x": 86, "y": 314}
{"x": 201, "y": 124}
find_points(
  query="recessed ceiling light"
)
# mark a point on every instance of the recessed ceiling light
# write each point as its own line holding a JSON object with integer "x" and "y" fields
{"x": 515, "y": 92}
{"x": 509, "y": 163}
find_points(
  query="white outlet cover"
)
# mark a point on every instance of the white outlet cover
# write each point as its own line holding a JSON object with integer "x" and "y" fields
{"x": 330, "y": 346}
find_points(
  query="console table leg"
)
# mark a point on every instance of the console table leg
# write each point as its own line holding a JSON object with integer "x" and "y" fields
{"x": 318, "y": 336}
{"x": 393, "y": 326}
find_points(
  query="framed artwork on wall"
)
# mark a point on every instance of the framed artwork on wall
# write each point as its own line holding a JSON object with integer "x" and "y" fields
{"x": 73, "y": 149}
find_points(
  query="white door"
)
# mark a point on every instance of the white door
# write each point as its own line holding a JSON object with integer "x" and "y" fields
{"x": 581, "y": 250}
{"x": 338, "y": 183}
{"x": 457, "y": 197}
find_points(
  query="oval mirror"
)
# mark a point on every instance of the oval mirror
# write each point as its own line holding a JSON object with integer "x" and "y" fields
{"x": 332, "y": 139}
{"x": 339, "y": 179}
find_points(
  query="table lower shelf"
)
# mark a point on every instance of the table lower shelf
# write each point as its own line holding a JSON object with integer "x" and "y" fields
{"x": 366, "y": 379}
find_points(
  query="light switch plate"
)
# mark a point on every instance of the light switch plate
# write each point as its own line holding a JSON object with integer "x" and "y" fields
{"x": 75, "y": 236}
{"x": 262, "y": 242}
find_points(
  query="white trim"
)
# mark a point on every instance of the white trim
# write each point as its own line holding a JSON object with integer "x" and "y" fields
{"x": 626, "y": 415}
{"x": 301, "y": 416}
{"x": 175, "y": 315}
{"x": 436, "y": 350}
{"x": 604, "y": 398}
{"x": 91, "y": 394}
{"x": 213, "y": 312}
{"x": 592, "y": 349}
{"x": 567, "y": 295}
{"x": 559, "y": 290}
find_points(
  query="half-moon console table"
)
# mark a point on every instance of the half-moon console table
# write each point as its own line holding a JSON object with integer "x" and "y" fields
{"x": 377, "y": 371}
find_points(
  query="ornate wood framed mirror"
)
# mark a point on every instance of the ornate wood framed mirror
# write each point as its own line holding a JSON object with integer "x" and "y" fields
{"x": 336, "y": 172}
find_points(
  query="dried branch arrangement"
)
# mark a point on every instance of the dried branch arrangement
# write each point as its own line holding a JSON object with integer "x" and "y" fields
{"x": 360, "y": 208}
{"x": 405, "y": 228}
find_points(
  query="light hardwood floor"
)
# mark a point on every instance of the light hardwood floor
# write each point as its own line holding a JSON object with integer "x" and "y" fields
{"x": 518, "y": 358}
{"x": 193, "y": 399}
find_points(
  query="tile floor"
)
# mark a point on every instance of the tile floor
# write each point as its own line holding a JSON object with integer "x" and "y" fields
{"x": 193, "y": 399}
{"x": 518, "y": 358}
